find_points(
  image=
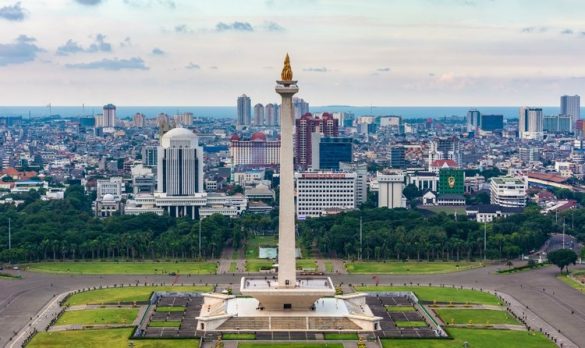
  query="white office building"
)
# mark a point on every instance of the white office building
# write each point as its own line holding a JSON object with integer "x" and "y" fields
{"x": 507, "y": 191}
{"x": 112, "y": 186}
{"x": 318, "y": 192}
{"x": 390, "y": 187}
{"x": 531, "y": 123}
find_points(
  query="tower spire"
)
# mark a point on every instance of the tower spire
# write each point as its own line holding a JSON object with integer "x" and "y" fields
{"x": 286, "y": 74}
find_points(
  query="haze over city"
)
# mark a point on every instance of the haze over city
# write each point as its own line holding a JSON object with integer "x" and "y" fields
{"x": 172, "y": 52}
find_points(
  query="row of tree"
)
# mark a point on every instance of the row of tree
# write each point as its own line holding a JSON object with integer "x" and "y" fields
{"x": 67, "y": 229}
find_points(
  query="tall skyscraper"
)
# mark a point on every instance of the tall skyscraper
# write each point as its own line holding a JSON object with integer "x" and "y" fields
{"x": 473, "y": 120}
{"x": 244, "y": 110}
{"x": 306, "y": 126}
{"x": 328, "y": 152}
{"x": 571, "y": 105}
{"x": 138, "y": 120}
{"x": 530, "y": 123}
{"x": 397, "y": 154}
{"x": 300, "y": 107}
{"x": 258, "y": 115}
{"x": 269, "y": 115}
{"x": 179, "y": 164}
{"x": 490, "y": 123}
{"x": 109, "y": 115}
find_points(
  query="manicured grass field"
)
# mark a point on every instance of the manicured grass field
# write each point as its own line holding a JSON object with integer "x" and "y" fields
{"x": 341, "y": 336}
{"x": 328, "y": 266}
{"x": 127, "y": 294}
{"x": 233, "y": 267}
{"x": 239, "y": 336}
{"x": 124, "y": 267}
{"x": 289, "y": 345}
{"x": 99, "y": 316}
{"x": 572, "y": 282}
{"x": 415, "y": 323}
{"x": 438, "y": 294}
{"x": 307, "y": 264}
{"x": 112, "y": 338}
{"x": 168, "y": 323}
{"x": 476, "y": 316}
{"x": 170, "y": 309}
{"x": 398, "y": 309}
{"x": 476, "y": 338}
{"x": 409, "y": 267}
{"x": 254, "y": 243}
{"x": 256, "y": 265}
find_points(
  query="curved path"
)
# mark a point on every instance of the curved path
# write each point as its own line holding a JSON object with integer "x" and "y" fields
{"x": 559, "y": 305}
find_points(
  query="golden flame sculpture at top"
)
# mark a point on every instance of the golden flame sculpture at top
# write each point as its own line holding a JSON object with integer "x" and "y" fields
{"x": 286, "y": 74}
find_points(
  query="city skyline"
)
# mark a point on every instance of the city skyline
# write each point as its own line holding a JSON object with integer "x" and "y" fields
{"x": 420, "y": 53}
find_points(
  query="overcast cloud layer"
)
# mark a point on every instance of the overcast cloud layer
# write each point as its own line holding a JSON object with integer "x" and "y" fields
{"x": 375, "y": 52}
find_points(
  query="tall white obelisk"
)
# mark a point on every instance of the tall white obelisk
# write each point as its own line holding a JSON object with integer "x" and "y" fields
{"x": 286, "y": 87}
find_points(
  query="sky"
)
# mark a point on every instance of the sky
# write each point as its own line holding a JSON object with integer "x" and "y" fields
{"x": 343, "y": 52}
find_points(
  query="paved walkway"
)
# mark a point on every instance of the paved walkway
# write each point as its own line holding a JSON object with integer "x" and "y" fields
{"x": 338, "y": 266}
{"x": 225, "y": 261}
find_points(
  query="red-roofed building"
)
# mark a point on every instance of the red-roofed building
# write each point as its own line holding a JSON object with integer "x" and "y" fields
{"x": 17, "y": 175}
{"x": 257, "y": 151}
{"x": 437, "y": 165}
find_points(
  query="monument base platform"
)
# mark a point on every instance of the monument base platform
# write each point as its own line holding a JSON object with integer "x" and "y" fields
{"x": 339, "y": 313}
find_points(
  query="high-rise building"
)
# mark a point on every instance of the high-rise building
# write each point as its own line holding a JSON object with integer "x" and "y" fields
{"x": 361, "y": 185}
{"x": 185, "y": 119}
{"x": 557, "y": 123}
{"x": 473, "y": 120}
{"x": 508, "y": 191}
{"x": 571, "y": 105}
{"x": 444, "y": 148}
{"x": 490, "y": 123}
{"x": 319, "y": 191}
{"x": 327, "y": 152}
{"x": 150, "y": 155}
{"x": 397, "y": 156}
{"x": 180, "y": 164}
{"x": 109, "y": 116}
{"x": 305, "y": 127}
{"x": 270, "y": 115}
{"x": 258, "y": 115}
{"x": 530, "y": 123}
{"x": 244, "y": 110}
{"x": 529, "y": 154}
{"x": 256, "y": 151}
{"x": 300, "y": 107}
{"x": 138, "y": 120}
{"x": 390, "y": 187}
{"x": 99, "y": 121}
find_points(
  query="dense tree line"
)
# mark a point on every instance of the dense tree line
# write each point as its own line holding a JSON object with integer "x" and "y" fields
{"x": 409, "y": 234}
{"x": 66, "y": 229}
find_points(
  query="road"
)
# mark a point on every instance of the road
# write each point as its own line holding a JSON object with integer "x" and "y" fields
{"x": 559, "y": 305}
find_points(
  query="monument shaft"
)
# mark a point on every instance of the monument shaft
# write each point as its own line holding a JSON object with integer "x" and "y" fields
{"x": 286, "y": 218}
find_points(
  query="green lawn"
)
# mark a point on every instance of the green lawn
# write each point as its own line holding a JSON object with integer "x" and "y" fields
{"x": 254, "y": 243}
{"x": 341, "y": 336}
{"x": 415, "y": 323}
{"x": 256, "y": 265}
{"x": 170, "y": 309}
{"x": 127, "y": 294}
{"x": 112, "y": 338}
{"x": 8, "y": 276}
{"x": 289, "y": 345}
{"x": 475, "y": 316}
{"x": 399, "y": 309}
{"x": 99, "y": 316}
{"x": 572, "y": 282}
{"x": 124, "y": 267}
{"x": 233, "y": 267}
{"x": 438, "y": 294}
{"x": 409, "y": 267}
{"x": 476, "y": 338}
{"x": 168, "y": 323}
{"x": 328, "y": 266}
{"x": 239, "y": 336}
{"x": 307, "y": 264}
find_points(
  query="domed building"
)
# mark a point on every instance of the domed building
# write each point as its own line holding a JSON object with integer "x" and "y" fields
{"x": 180, "y": 173}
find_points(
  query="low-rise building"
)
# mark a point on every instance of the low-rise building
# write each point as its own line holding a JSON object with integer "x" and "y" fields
{"x": 318, "y": 191}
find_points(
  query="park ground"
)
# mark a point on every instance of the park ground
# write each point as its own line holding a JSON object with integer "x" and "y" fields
{"x": 124, "y": 267}
{"x": 453, "y": 306}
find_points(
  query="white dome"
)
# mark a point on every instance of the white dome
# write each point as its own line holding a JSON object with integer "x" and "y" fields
{"x": 108, "y": 197}
{"x": 180, "y": 137}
